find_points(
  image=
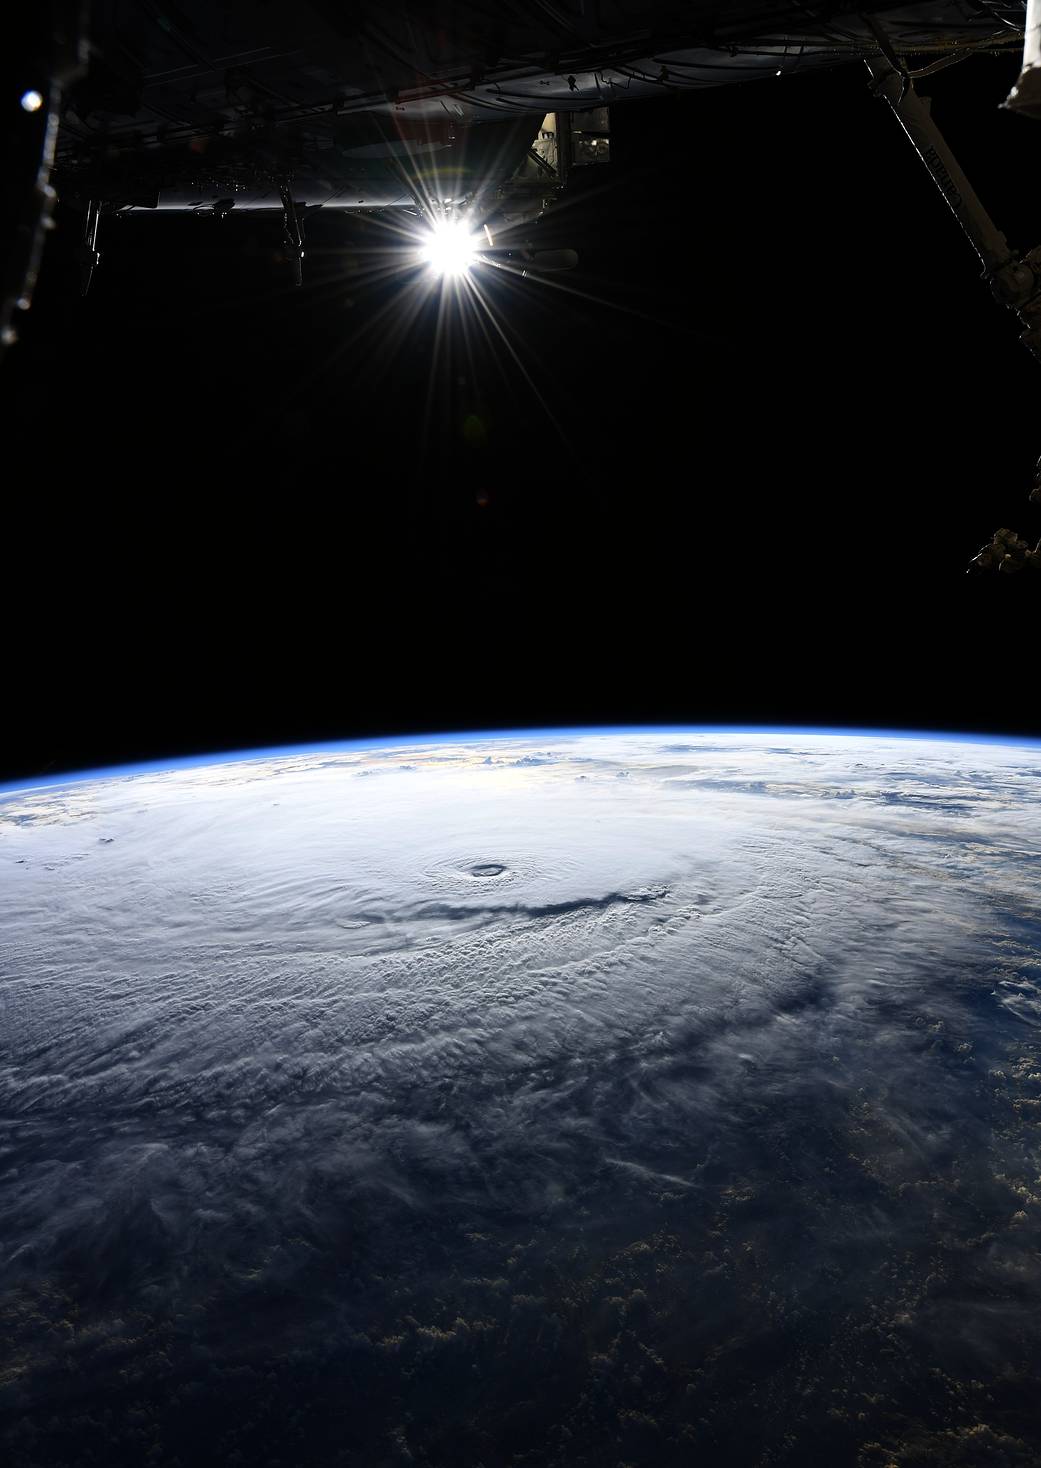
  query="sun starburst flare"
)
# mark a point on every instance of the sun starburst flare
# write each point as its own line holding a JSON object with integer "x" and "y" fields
{"x": 450, "y": 248}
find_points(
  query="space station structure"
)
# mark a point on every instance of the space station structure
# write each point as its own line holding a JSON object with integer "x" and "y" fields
{"x": 204, "y": 106}
{"x": 490, "y": 108}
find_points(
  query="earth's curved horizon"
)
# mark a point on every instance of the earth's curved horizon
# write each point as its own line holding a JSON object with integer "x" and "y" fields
{"x": 159, "y": 764}
{"x": 642, "y": 1096}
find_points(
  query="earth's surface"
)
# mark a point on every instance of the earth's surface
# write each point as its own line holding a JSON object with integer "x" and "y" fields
{"x": 599, "y": 1098}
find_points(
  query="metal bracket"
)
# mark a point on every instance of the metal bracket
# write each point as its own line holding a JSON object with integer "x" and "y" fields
{"x": 89, "y": 255}
{"x": 293, "y": 233}
{"x": 1025, "y": 96}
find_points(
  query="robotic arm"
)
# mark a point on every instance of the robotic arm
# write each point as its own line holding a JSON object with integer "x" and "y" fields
{"x": 1014, "y": 279}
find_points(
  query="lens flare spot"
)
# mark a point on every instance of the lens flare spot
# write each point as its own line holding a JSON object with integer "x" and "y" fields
{"x": 450, "y": 248}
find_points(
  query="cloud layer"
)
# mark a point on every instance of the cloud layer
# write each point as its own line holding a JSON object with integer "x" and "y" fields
{"x": 548, "y": 1116}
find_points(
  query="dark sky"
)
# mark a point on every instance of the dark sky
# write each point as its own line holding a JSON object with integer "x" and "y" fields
{"x": 239, "y": 518}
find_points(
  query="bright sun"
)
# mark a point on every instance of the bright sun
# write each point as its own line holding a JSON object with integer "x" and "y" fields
{"x": 450, "y": 248}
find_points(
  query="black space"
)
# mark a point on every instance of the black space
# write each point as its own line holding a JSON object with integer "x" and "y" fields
{"x": 228, "y": 526}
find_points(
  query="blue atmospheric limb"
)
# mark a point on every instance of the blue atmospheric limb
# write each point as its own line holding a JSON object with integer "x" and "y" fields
{"x": 472, "y": 736}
